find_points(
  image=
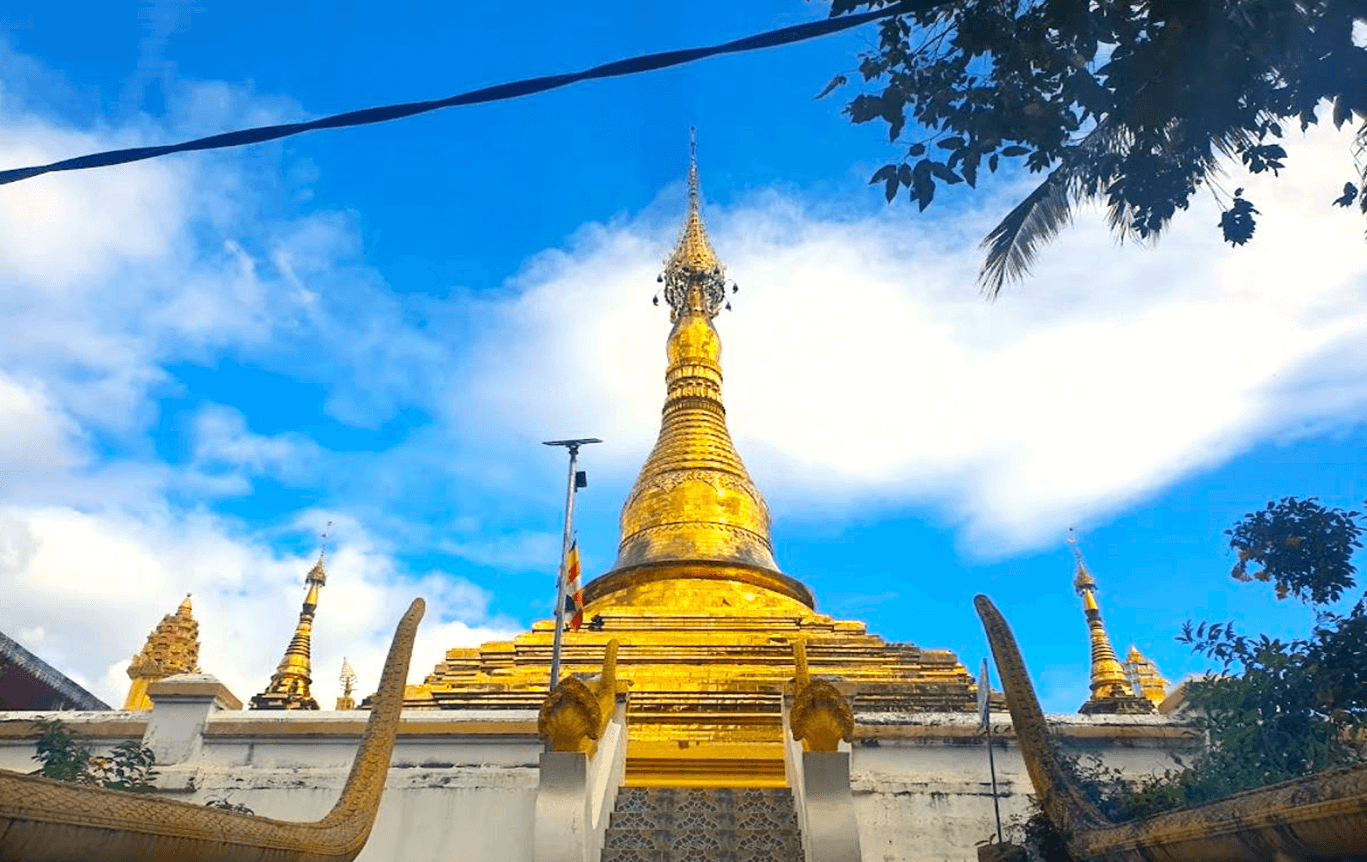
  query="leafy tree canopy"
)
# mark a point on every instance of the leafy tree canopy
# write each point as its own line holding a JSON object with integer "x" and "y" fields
{"x": 1277, "y": 710}
{"x": 1283, "y": 709}
{"x": 1130, "y": 102}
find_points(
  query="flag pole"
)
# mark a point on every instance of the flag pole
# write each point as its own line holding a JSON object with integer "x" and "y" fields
{"x": 985, "y": 712}
{"x": 573, "y": 447}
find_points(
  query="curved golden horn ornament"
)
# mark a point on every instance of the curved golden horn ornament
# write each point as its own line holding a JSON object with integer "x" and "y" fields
{"x": 1318, "y": 817}
{"x": 42, "y": 820}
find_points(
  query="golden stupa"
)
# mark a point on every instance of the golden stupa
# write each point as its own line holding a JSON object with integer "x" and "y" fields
{"x": 706, "y": 620}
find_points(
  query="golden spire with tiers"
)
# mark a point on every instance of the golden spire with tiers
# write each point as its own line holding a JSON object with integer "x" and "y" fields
{"x": 694, "y": 512}
{"x": 1111, "y": 690}
{"x": 171, "y": 648}
{"x": 704, "y": 618}
{"x": 289, "y": 685}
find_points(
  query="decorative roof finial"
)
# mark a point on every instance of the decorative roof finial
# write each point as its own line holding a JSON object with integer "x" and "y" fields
{"x": 694, "y": 278}
{"x": 1111, "y": 688}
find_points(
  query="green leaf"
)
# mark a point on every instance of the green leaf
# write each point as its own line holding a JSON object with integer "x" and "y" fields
{"x": 944, "y": 173}
{"x": 1237, "y": 224}
{"x": 882, "y": 174}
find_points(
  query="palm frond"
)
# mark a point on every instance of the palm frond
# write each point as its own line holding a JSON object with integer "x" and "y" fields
{"x": 1014, "y": 243}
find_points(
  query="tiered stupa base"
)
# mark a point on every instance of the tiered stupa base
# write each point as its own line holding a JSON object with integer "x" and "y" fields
{"x": 707, "y": 664}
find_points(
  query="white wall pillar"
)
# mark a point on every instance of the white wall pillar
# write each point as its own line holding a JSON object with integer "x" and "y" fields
{"x": 575, "y": 797}
{"x": 175, "y": 726}
{"x": 832, "y": 832}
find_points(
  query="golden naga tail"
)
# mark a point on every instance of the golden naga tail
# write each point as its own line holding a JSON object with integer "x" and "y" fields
{"x": 42, "y": 820}
{"x": 1319, "y": 817}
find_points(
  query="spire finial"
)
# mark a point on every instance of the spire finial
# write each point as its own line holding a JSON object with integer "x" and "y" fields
{"x": 319, "y": 574}
{"x": 694, "y": 278}
{"x": 693, "y": 184}
{"x": 1083, "y": 580}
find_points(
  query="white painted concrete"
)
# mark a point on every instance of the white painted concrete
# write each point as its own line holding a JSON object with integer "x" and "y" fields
{"x": 463, "y": 785}
{"x": 922, "y": 789}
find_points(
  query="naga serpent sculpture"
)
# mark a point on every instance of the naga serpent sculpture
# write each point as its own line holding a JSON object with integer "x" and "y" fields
{"x": 1318, "y": 817}
{"x": 821, "y": 716}
{"x": 43, "y": 820}
{"x": 575, "y": 714}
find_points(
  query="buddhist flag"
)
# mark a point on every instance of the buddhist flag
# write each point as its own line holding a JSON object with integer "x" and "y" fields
{"x": 574, "y": 593}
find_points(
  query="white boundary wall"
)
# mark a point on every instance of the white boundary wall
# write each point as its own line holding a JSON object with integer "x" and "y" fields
{"x": 463, "y": 785}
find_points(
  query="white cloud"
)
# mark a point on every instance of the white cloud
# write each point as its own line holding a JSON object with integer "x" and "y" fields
{"x": 107, "y": 278}
{"x": 223, "y": 440}
{"x": 99, "y": 583}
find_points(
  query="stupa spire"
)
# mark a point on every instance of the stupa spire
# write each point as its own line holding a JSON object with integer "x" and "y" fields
{"x": 694, "y": 278}
{"x": 289, "y": 685}
{"x": 1111, "y": 690}
{"x": 171, "y": 648}
{"x": 694, "y": 501}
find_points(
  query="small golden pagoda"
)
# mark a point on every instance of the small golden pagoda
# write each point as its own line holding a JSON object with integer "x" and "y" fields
{"x": 1112, "y": 690}
{"x": 1144, "y": 677}
{"x": 705, "y": 619}
{"x": 171, "y": 648}
{"x": 289, "y": 685}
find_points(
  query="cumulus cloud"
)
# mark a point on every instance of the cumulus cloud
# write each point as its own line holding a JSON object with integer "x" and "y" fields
{"x": 99, "y": 582}
{"x": 107, "y": 280}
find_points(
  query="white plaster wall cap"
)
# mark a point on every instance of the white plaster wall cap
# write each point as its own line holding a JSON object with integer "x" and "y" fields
{"x": 193, "y": 685}
{"x": 970, "y": 719}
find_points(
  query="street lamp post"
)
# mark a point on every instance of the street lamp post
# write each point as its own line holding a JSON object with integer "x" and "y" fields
{"x": 572, "y": 486}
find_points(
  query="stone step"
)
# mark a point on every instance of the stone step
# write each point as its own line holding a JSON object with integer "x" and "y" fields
{"x": 704, "y": 856}
{"x": 711, "y": 798}
{"x": 698, "y": 840}
{"x": 774, "y": 818}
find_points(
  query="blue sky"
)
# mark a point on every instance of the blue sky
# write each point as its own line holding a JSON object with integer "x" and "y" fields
{"x": 208, "y": 357}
